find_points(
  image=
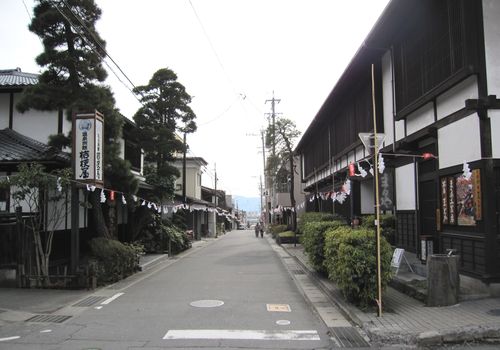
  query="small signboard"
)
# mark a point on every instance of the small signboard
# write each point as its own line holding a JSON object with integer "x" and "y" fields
{"x": 88, "y": 147}
{"x": 397, "y": 257}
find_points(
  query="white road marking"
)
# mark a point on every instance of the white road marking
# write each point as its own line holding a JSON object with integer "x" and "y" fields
{"x": 46, "y": 331}
{"x": 10, "y": 338}
{"x": 98, "y": 307}
{"x": 221, "y": 334}
{"x": 107, "y": 301}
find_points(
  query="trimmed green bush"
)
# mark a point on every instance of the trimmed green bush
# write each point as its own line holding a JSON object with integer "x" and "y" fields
{"x": 313, "y": 217}
{"x": 155, "y": 237}
{"x": 387, "y": 226}
{"x": 313, "y": 240}
{"x": 286, "y": 237}
{"x": 286, "y": 234}
{"x": 350, "y": 259}
{"x": 276, "y": 229}
{"x": 115, "y": 260}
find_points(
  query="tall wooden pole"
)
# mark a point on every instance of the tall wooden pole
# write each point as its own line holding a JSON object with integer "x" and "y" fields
{"x": 377, "y": 199}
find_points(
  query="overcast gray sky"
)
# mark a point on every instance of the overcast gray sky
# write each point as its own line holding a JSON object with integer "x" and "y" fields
{"x": 229, "y": 54}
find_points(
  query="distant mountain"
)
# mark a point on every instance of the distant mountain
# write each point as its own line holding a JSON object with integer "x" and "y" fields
{"x": 247, "y": 203}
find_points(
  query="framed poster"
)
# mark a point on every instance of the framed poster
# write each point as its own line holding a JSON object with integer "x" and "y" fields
{"x": 465, "y": 202}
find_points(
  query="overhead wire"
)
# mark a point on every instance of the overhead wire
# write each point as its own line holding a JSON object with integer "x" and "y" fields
{"x": 97, "y": 42}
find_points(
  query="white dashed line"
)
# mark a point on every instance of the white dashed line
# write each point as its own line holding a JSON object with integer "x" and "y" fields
{"x": 10, "y": 338}
{"x": 109, "y": 300}
{"x": 223, "y": 334}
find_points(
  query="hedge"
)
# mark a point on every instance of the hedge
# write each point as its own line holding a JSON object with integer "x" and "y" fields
{"x": 350, "y": 259}
{"x": 114, "y": 260}
{"x": 276, "y": 229}
{"x": 313, "y": 240}
{"x": 313, "y": 217}
{"x": 387, "y": 226}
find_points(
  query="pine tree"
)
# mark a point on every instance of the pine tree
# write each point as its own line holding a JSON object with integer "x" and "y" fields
{"x": 165, "y": 113}
{"x": 72, "y": 81}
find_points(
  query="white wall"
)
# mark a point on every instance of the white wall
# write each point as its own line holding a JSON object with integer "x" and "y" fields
{"x": 419, "y": 119}
{"x": 459, "y": 142}
{"x": 4, "y": 110}
{"x": 491, "y": 14}
{"x": 387, "y": 98}
{"x": 36, "y": 124}
{"x": 454, "y": 99}
{"x": 367, "y": 197}
{"x": 494, "y": 115}
{"x": 400, "y": 130}
{"x": 405, "y": 187}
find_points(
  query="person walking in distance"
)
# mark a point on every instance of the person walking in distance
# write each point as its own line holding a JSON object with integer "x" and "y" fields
{"x": 257, "y": 230}
{"x": 261, "y": 229}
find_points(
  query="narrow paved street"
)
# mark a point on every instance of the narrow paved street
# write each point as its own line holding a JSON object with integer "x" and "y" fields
{"x": 233, "y": 293}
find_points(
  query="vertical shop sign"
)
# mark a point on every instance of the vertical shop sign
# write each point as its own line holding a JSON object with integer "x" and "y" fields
{"x": 451, "y": 200}
{"x": 476, "y": 184}
{"x": 386, "y": 185}
{"x": 444, "y": 201}
{"x": 88, "y": 147}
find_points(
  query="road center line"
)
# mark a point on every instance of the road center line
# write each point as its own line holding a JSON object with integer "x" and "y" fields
{"x": 10, "y": 338}
{"x": 107, "y": 301}
{"x": 222, "y": 334}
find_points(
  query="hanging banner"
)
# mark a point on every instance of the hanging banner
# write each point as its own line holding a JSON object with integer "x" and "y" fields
{"x": 88, "y": 147}
{"x": 476, "y": 183}
{"x": 451, "y": 200}
{"x": 444, "y": 201}
{"x": 386, "y": 187}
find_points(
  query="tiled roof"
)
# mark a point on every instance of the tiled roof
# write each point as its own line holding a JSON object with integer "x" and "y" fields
{"x": 15, "y": 148}
{"x": 15, "y": 78}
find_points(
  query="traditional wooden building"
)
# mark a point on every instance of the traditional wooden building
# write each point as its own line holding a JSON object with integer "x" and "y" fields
{"x": 436, "y": 82}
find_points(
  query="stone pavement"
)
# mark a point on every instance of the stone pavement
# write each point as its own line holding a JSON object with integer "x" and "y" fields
{"x": 408, "y": 321}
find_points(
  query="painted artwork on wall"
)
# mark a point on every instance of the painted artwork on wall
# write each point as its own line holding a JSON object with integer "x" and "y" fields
{"x": 465, "y": 202}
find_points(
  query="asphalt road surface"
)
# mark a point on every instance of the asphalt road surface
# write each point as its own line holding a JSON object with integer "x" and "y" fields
{"x": 234, "y": 293}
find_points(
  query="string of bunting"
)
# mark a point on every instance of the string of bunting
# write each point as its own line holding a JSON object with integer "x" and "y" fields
{"x": 159, "y": 208}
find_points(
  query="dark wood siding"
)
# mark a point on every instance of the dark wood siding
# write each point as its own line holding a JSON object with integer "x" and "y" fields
{"x": 471, "y": 250}
{"x": 434, "y": 48}
{"x": 405, "y": 230}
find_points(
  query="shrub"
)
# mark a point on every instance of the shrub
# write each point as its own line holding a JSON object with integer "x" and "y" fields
{"x": 286, "y": 237}
{"x": 313, "y": 240}
{"x": 314, "y": 217}
{"x": 276, "y": 229}
{"x": 387, "y": 226}
{"x": 156, "y": 235}
{"x": 351, "y": 262}
{"x": 115, "y": 260}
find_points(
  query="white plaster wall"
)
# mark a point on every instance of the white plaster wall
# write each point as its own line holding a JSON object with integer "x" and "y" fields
{"x": 405, "y": 187}
{"x": 122, "y": 148}
{"x": 419, "y": 119}
{"x": 360, "y": 153}
{"x": 367, "y": 197}
{"x": 400, "y": 130}
{"x": 454, "y": 99}
{"x": 491, "y": 13}
{"x": 351, "y": 157}
{"x": 4, "y": 110}
{"x": 36, "y": 124}
{"x": 459, "y": 141}
{"x": 387, "y": 98}
{"x": 494, "y": 115}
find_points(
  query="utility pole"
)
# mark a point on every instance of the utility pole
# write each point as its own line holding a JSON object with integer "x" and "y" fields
{"x": 184, "y": 198}
{"x": 215, "y": 199}
{"x": 272, "y": 120}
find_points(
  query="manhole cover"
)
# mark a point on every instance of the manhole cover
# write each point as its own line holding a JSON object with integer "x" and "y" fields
{"x": 494, "y": 312}
{"x": 207, "y": 303}
{"x": 283, "y": 322}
